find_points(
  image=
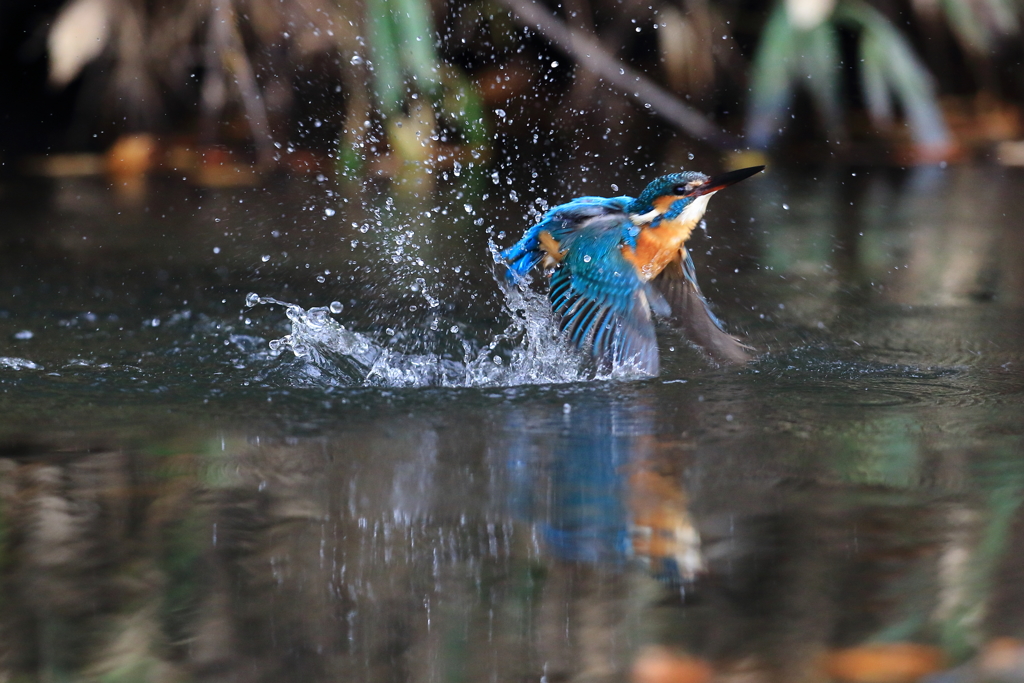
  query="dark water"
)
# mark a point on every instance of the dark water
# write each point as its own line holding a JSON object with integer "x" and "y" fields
{"x": 179, "y": 502}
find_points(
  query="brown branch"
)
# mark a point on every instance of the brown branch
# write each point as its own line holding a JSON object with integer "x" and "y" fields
{"x": 589, "y": 54}
{"x": 249, "y": 90}
{"x": 225, "y": 52}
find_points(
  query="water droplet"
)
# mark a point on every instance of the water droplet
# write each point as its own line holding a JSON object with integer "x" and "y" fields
{"x": 500, "y": 113}
{"x": 321, "y": 279}
{"x": 566, "y": 408}
{"x": 586, "y": 258}
{"x": 356, "y": 59}
{"x": 251, "y": 299}
{"x": 336, "y": 307}
{"x": 468, "y": 208}
{"x": 690, "y": 156}
{"x": 24, "y": 334}
{"x": 329, "y": 212}
{"x": 453, "y": 329}
{"x": 216, "y": 250}
{"x": 786, "y": 207}
{"x": 265, "y": 258}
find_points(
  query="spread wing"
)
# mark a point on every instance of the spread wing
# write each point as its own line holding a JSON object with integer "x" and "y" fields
{"x": 559, "y": 222}
{"x": 690, "y": 312}
{"x": 602, "y": 304}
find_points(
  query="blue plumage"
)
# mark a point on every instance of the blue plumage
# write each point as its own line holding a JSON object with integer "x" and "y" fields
{"x": 603, "y": 302}
{"x": 595, "y": 292}
{"x": 599, "y": 297}
{"x": 559, "y": 221}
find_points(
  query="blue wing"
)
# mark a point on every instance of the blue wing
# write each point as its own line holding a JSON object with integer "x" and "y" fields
{"x": 602, "y": 304}
{"x": 560, "y": 221}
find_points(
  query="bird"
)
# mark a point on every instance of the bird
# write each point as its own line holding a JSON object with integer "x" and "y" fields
{"x": 613, "y": 263}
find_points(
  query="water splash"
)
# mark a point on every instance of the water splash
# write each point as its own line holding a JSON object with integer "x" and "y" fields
{"x": 12, "y": 363}
{"x": 333, "y": 351}
{"x": 529, "y": 351}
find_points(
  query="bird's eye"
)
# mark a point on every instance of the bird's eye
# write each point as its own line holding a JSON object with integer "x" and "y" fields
{"x": 680, "y": 189}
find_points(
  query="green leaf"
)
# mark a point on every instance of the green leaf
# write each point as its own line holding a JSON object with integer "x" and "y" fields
{"x": 415, "y": 34}
{"x": 873, "y": 81}
{"x": 389, "y": 86}
{"x": 788, "y": 58}
{"x": 820, "y": 62}
{"x": 907, "y": 77}
{"x": 771, "y": 79}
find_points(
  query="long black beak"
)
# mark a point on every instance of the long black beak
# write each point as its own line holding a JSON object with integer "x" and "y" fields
{"x": 724, "y": 180}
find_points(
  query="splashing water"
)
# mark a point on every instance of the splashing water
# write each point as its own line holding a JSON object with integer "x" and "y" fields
{"x": 529, "y": 351}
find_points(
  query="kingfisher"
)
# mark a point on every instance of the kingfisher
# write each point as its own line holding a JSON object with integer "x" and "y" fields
{"x": 612, "y": 263}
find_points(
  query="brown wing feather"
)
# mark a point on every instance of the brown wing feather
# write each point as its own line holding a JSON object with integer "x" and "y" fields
{"x": 690, "y": 313}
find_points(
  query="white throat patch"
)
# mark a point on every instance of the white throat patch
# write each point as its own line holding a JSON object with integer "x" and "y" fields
{"x": 692, "y": 214}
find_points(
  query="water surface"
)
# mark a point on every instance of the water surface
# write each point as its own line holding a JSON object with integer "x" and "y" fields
{"x": 180, "y": 501}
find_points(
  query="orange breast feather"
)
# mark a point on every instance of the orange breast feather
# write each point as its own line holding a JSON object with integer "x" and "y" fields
{"x": 657, "y": 247}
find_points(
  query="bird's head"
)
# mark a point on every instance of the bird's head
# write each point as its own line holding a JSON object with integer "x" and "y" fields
{"x": 683, "y": 195}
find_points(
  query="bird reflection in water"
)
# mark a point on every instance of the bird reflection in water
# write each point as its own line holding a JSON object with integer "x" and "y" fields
{"x": 609, "y": 500}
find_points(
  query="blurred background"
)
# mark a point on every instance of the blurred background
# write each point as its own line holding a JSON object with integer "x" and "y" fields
{"x": 223, "y": 89}
{"x": 196, "y": 487}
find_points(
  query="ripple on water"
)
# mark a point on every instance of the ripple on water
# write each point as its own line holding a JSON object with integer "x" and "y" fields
{"x": 860, "y": 383}
{"x": 876, "y": 393}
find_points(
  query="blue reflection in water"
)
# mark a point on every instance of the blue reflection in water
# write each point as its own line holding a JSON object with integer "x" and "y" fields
{"x": 589, "y": 482}
{"x": 586, "y": 521}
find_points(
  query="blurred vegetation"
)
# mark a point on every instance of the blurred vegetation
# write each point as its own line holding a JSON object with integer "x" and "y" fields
{"x": 801, "y": 46}
{"x": 315, "y": 85}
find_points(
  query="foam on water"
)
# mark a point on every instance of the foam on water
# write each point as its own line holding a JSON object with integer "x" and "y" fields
{"x": 529, "y": 351}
